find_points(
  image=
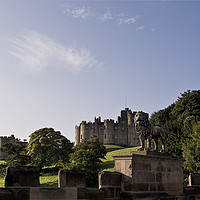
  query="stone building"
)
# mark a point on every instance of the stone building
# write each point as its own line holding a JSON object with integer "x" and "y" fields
{"x": 122, "y": 132}
{"x": 3, "y": 140}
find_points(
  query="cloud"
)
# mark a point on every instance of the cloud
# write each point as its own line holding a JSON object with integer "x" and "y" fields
{"x": 83, "y": 13}
{"x": 140, "y": 28}
{"x": 37, "y": 52}
{"x": 128, "y": 20}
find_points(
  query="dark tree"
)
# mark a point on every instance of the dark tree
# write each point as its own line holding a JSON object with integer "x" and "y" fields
{"x": 47, "y": 147}
{"x": 87, "y": 156}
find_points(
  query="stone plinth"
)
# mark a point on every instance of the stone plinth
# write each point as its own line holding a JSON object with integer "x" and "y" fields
{"x": 110, "y": 183}
{"x": 22, "y": 176}
{"x": 145, "y": 171}
{"x": 64, "y": 193}
{"x": 194, "y": 179}
{"x": 71, "y": 178}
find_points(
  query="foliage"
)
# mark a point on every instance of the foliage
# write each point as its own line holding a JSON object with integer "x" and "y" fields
{"x": 87, "y": 156}
{"x": 191, "y": 150}
{"x": 179, "y": 118}
{"x": 47, "y": 147}
{"x": 16, "y": 153}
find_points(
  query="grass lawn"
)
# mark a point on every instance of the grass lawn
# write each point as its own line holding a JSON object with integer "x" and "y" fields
{"x": 46, "y": 180}
{"x": 49, "y": 180}
{"x": 112, "y": 146}
{"x": 108, "y": 162}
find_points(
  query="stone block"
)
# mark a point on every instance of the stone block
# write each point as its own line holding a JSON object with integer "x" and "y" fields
{"x": 93, "y": 194}
{"x": 109, "y": 179}
{"x": 5, "y": 194}
{"x": 194, "y": 179}
{"x": 71, "y": 178}
{"x": 64, "y": 193}
{"x": 22, "y": 176}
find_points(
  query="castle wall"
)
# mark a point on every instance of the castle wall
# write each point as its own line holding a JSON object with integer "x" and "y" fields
{"x": 122, "y": 132}
{"x": 4, "y": 140}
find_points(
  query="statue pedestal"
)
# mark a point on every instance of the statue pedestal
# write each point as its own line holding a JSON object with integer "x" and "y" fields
{"x": 151, "y": 172}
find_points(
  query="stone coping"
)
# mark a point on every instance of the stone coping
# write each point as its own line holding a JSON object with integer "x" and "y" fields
{"x": 150, "y": 154}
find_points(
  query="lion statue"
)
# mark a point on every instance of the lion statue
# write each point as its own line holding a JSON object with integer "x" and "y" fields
{"x": 148, "y": 132}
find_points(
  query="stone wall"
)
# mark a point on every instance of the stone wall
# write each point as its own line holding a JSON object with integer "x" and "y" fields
{"x": 150, "y": 172}
{"x": 22, "y": 176}
{"x": 71, "y": 178}
{"x": 110, "y": 183}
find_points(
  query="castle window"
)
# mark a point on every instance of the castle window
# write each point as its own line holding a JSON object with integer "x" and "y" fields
{"x": 120, "y": 136}
{"x": 105, "y": 136}
{"x": 115, "y": 136}
{"x": 92, "y": 127}
{"x": 101, "y": 136}
{"x": 101, "y": 127}
{"x": 122, "y": 128}
{"x": 86, "y": 127}
{"x": 115, "y": 127}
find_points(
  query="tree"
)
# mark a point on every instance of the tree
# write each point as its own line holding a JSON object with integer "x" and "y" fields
{"x": 16, "y": 154}
{"x": 87, "y": 156}
{"x": 179, "y": 118}
{"x": 191, "y": 150}
{"x": 47, "y": 147}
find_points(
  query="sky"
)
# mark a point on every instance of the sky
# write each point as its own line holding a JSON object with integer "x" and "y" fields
{"x": 63, "y": 62}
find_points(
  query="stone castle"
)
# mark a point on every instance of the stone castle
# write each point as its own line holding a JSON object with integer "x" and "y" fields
{"x": 122, "y": 132}
{"x": 3, "y": 140}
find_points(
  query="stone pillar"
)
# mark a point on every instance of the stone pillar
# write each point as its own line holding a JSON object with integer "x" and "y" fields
{"x": 110, "y": 183}
{"x": 22, "y": 176}
{"x": 194, "y": 179}
{"x": 71, "y": 178}
{"x": 146, "y": 171}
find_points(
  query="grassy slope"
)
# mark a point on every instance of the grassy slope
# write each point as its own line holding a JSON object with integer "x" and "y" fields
{"x": 108, "y": 162}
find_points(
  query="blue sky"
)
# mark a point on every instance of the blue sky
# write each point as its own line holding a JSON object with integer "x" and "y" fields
{"x": 62, "y": 62}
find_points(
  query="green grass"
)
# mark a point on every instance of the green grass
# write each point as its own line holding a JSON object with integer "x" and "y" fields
{"x": 108, "y": 162}
{"x": 112, "y": 146}
{"x": 49, "y": 180}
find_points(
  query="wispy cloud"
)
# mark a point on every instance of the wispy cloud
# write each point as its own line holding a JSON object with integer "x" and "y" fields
{"x": 37, "y": 52}
{"x": 84, "y": 13}
{"x": 140, "y": 28}
{"x": 128, "y": 20}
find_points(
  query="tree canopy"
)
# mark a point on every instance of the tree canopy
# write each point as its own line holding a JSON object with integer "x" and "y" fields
{"x": 47, "y": 147}
{"x": 87, "y": 156}
{"x": 183, "y": 119}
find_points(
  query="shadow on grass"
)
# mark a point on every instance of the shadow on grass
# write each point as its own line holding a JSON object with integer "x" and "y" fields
{"x": 49, "y": 184}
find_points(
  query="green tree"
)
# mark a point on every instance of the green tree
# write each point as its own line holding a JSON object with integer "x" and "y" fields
{"x": 47, "y": 147}
{"x": 179, "y": 118}
{"x": 15, "y": 153}
{"x": 87, "y": 156}
{"x": 191, "y": 150}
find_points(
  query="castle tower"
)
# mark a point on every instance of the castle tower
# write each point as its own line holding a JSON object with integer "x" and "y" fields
{"x": 122, "y": 132}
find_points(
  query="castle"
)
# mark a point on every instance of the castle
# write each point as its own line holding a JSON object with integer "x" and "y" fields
{"x": 122, "y": 132}
{"x": 4, "y": 140}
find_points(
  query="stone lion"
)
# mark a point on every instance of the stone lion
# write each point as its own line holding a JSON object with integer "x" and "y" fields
{"x": 148, "y": 132}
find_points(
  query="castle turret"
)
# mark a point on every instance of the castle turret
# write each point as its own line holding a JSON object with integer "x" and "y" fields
{"x": 77, "y": 135}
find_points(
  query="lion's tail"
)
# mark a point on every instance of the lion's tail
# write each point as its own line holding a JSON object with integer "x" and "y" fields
{"x": 170, "y": 133}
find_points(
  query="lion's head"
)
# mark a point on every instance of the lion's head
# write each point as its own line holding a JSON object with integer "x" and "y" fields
{"x": 142, "y": 124}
